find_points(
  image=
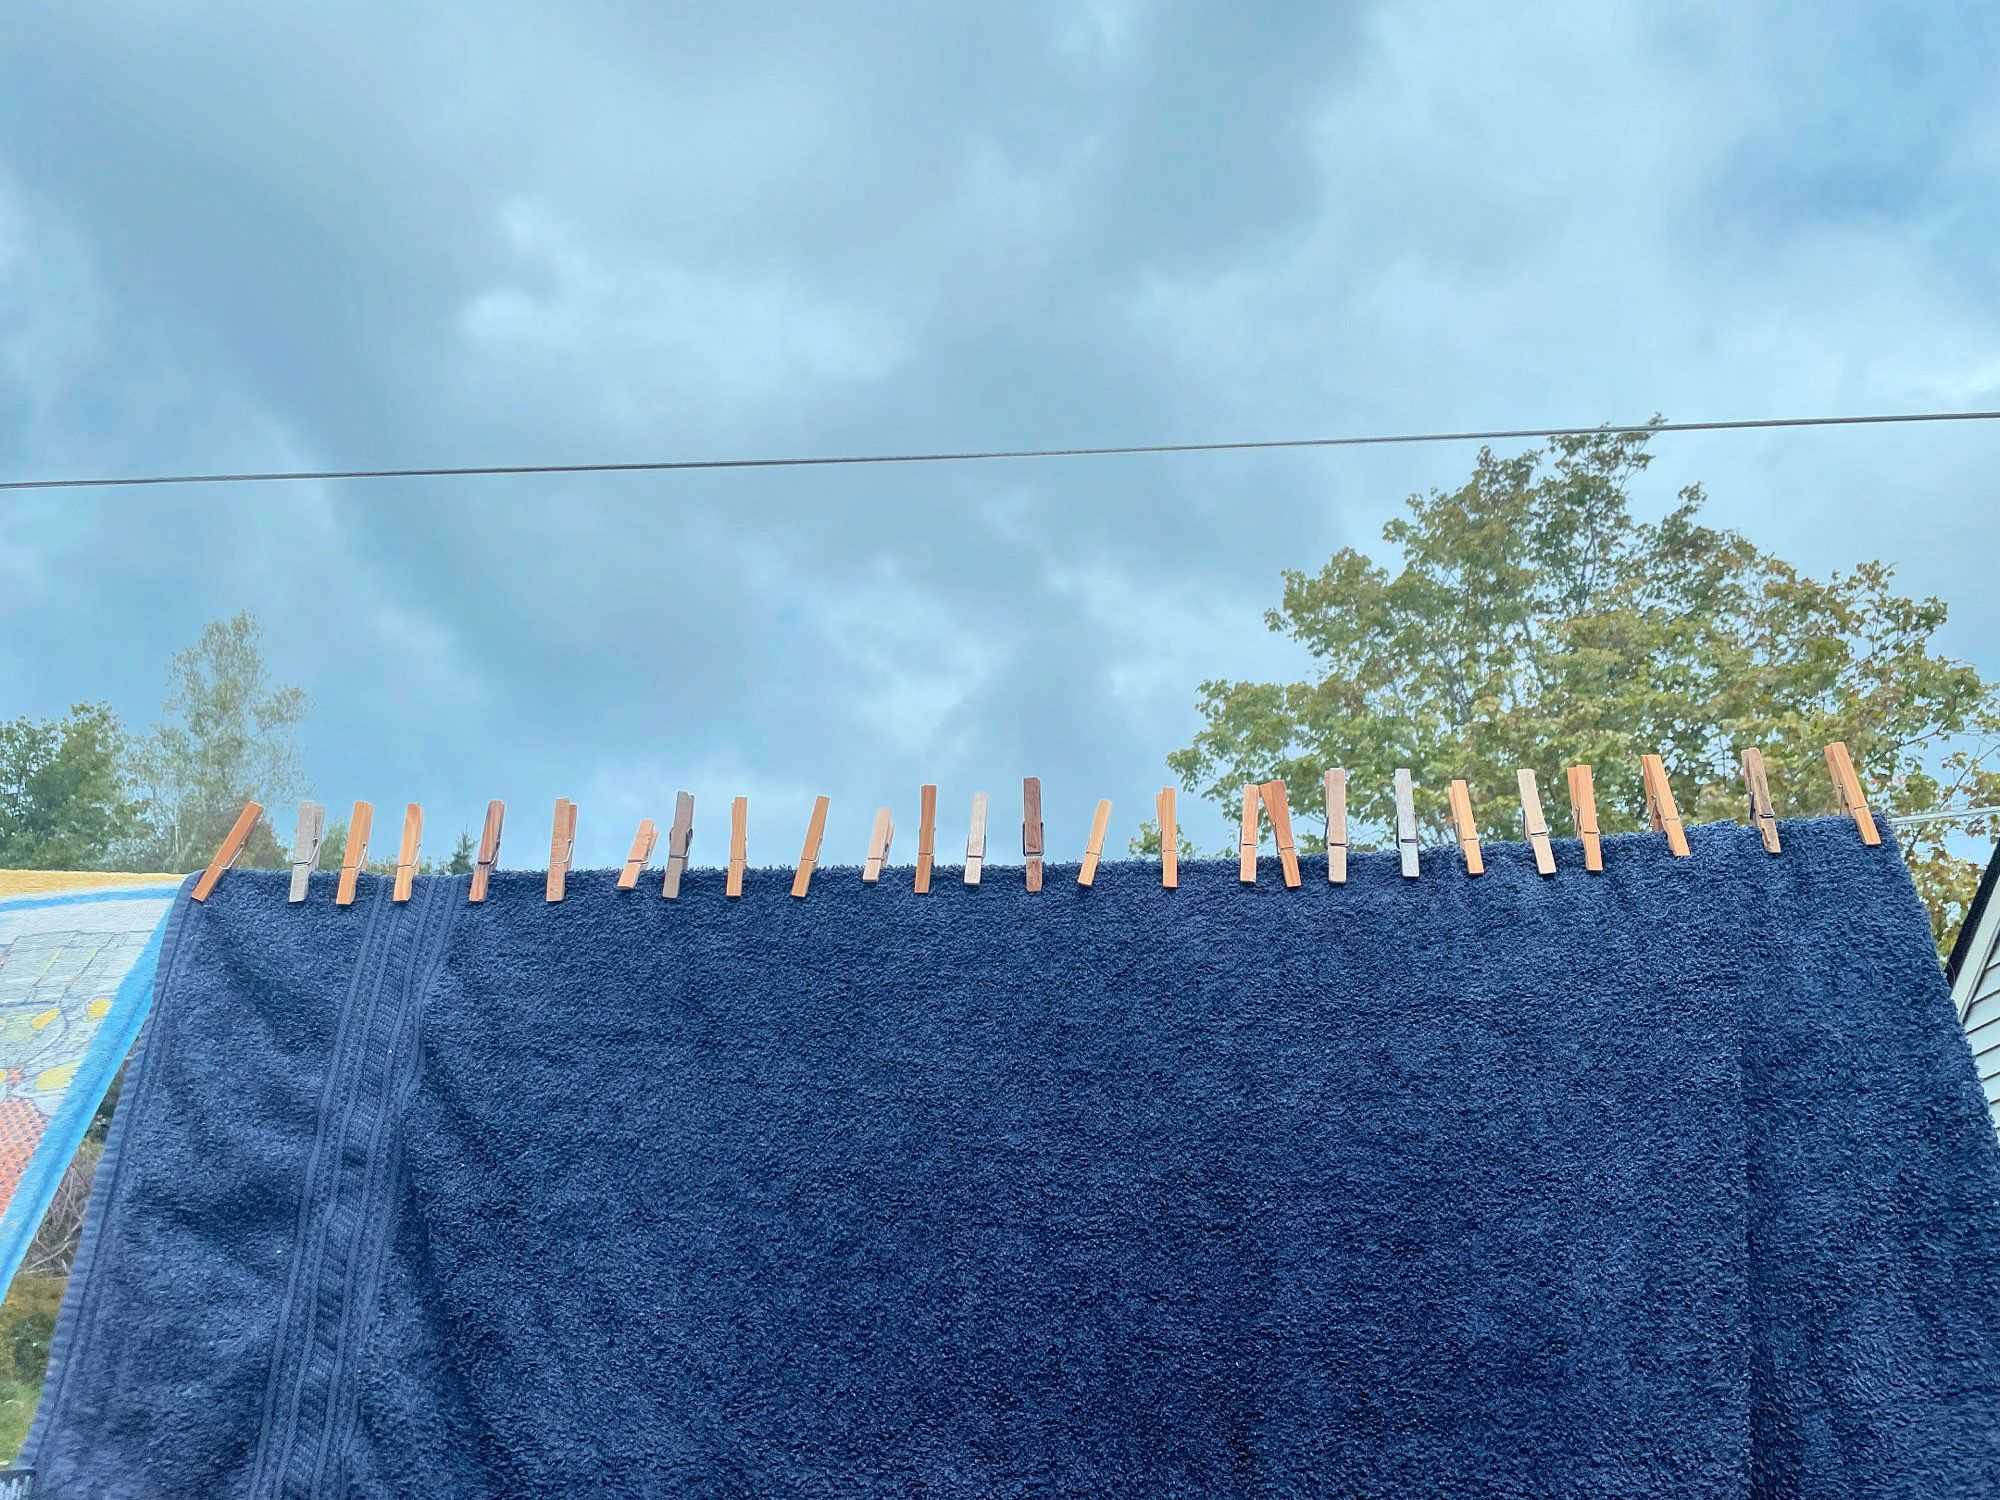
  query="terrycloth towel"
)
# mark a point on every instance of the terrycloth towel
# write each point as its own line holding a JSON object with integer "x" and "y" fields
{"x": 1670, "y": 1181}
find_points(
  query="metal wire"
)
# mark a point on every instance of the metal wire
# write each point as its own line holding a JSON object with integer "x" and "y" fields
{"x": 664, "y": 466}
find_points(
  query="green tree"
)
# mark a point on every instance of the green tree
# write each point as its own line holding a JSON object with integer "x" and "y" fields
{"x": 228, "y": 734}
{"x": 63, "y": 803}
{"x": 462, "y": 854}
{"x": 1532, "y": 621}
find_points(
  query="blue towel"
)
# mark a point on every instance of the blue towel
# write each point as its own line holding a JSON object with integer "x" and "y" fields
{"x": 1669, "y": 1181}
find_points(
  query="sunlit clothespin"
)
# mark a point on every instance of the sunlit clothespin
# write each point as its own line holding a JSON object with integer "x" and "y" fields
{"x": 562, "y": 848}
{"x": 1093, "y": 850}
{"x": 1660, "y": 808}
{"x": 229, "y": 851}
{"x": 354, "y": 856}
{"x": 1278, "y": 808}
{"x": 1406, "y": 824}
{"x": 1534, "y": 825}
{"x": 879, "y": 839}
{"x": 926, "y": 837}
{"x": 306, "y": 839}
{"x": 809, "y": 855}
{"x": 1763, "y": 814}
{"x": 975, "y": 840}
{"x": 1583, "y": 814}
{"x": 1246, "y": 838}
{"x": 680, "y": 838}
{"x": 406, "y": 853}
{"x": 488, "y": 858}
{"x": 1032, "y": 845}
{"x": 1464, "y": 829}
{"x": 1336, "y": 826}
{"x": 1170, "y": 838}
{"x": 641, "y": 851}
{"x": 739, "y": 845}
{"x": 1847, "y": 787}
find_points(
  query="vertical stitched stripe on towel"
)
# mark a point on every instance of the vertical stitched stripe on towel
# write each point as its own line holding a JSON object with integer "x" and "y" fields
{"x": 337, "y": 1210}
{"x": 371, "y": 1251}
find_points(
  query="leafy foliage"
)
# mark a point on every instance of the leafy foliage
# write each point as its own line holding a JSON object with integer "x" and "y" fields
{"x": 1534, "y": 622}
{"x": 228, "y": 734}
{"x": 63, "y": 802}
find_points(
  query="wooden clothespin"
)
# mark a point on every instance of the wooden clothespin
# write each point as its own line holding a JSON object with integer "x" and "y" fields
{"x": 739, "y": 845}
{"x": 809, "y": 855}
{"x": 679, "y": 838}
{"x": 1666, "y": 817}
{"x": 1336, "y": 827}
{"x": 1466, "y": 830}
{"x": 306, "y": 839}
{"x": 879, "y": 840}
{"x": 562, "y": 847}
{"x": 1094, "y": 849}
{"x": 1406, "y": 824}
{"x": 1847, "y": 787}
{"x": 488, "y": 858}
{"x": 230, "y": 850}
{"x": 406, "y": 853}
{"x": 1170, "y": 839}
{"x": 926, "y": 837}
{"x": 354, "y": 857}
{"x": 1583, "y": 813}
{"x": 1534, "y": 824}
{"x": 1763, "y": 813}
{"x": 1246, "y": 840}
{"x": 1279, "y": 810}
{"x": 1032, "y": 845}
{"x": 641, "y": 851}
{"x": 975, "y": 840}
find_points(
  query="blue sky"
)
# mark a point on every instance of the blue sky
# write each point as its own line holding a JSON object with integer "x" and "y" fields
{"x": 287, "y": 236}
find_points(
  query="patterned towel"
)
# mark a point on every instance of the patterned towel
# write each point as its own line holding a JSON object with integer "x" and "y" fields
{"x": 76, "y": 977}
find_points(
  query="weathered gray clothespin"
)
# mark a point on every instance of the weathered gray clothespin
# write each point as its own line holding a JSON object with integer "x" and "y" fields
{"x": 975, "y": 840}
{"x": 679, "y": 837}
{"x": 1406, "y": 824}
{"x": 306, "y": 840}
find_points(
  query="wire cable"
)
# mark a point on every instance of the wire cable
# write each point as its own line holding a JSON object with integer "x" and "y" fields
{"x": 668, "y": 466}
{"x": 1950, "y": 815}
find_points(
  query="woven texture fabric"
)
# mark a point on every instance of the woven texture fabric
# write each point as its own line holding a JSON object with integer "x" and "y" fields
{"x": 1669, "y": 1181}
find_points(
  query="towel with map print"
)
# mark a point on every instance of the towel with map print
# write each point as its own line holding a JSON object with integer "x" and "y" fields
{"x": 76, "y": 976}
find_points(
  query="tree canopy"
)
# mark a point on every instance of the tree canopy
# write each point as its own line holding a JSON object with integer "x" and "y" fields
{"x": 1532, "y": 620}
{"x": 63, "y": 804}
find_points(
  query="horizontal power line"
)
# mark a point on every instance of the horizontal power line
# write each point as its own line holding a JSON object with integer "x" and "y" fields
{"x": 666, "y": 466}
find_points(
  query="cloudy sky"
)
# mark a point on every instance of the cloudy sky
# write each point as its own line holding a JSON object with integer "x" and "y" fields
{"x": 279, "y": 236}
